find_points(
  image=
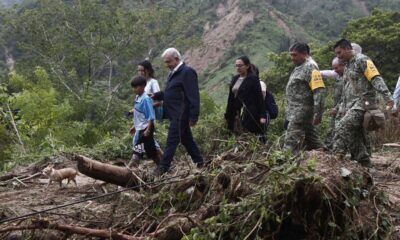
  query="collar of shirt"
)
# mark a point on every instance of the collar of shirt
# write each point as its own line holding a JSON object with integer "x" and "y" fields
{"x": 177, "y": 67}
{"x": 139, "y": 98}
{"x": 311, "y": 60}
{"x": 301, "y": 65}
{"x": 352, "y": 59}
{"x": 339, "y": 77}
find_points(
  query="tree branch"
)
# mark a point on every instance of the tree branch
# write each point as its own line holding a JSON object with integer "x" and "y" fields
{"x": 15, "y": 128}
{"x": 88, "y": 232}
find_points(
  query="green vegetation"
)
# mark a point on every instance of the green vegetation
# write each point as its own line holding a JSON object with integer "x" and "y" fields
{"x": 68, "y": 89}
{"x": 379, "y": 36}
{"x": 69, "y": 86}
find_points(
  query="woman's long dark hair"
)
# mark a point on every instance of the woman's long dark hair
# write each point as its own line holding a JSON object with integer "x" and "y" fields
{"x": 255, "y": 70}
{"x": 147, "y": 68}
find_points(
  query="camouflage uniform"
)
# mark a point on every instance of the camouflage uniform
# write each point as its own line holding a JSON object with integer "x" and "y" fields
{"x": 346, "y": 102}
{"x": 337, "y": 90}
{"x": 305, "y": 95}
{"x": 337, "y": 95}
{"x": 362, "y": 81}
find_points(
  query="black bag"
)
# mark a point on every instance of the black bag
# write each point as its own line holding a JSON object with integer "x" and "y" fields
{"x": 271, "y": 105}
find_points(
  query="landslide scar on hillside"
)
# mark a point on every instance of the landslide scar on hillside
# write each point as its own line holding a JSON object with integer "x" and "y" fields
{"x": 220, "y": 36}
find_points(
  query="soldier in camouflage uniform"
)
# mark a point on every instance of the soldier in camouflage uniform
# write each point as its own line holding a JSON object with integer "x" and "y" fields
{"x": 364, "y": 80}
{"x": 346, "y": 102}
{"x": 305, "y": 95}
{"x": 347, "y": 94}
{"x": 337, "y": 73}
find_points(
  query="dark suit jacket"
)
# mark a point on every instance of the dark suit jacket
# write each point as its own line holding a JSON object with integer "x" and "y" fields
{"x": 181, "y": 95}
{"x": 251, "y": 100}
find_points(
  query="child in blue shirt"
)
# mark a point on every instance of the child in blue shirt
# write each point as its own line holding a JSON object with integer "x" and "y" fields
{"x": 143, "y": 118}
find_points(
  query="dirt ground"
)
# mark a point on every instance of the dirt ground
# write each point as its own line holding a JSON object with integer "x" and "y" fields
{"x": 23, "y": 197}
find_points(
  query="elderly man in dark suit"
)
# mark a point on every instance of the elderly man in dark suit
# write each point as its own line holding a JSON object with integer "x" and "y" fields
{"x": 181, "y": 106}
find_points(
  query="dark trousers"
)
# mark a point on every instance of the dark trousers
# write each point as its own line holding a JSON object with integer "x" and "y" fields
{"x": 149, "y": 144}
{"x": 180, "y": 132}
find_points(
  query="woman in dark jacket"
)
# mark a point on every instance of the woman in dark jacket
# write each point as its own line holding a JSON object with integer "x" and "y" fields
{"x": 245, "y": 102}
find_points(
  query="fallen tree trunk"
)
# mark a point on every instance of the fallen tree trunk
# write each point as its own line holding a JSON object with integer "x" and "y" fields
{"x": 71, "y": 229}
{"x": 8, "y": 177}
{"x": 106, "y": 172}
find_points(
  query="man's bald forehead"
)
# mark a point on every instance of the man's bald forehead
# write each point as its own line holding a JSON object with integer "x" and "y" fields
{"x": 335, "y": 61}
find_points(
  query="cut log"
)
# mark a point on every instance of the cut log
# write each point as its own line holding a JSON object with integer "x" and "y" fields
{"x": 120, "y": 176}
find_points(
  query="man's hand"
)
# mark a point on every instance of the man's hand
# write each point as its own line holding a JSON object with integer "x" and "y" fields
{"x": 316, "y": 121}
{"x": 389, "y": 105}
{"x": 263, "y": 120}
{"x": 132, "y": 130}
{"x": 192, "y": 123}
{"x": 333, "y": 112}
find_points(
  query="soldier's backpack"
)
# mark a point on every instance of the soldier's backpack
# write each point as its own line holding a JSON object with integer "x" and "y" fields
{"x": 374, "y": 118}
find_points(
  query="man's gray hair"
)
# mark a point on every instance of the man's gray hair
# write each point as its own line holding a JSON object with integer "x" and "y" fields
{"x": 173, "y": 52}
{"x": 356, "y": 48}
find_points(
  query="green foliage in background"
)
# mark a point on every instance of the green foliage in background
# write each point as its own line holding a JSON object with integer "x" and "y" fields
{"x": 73, "y": 63}
{"x": 39, "y": 110}
{"x": 379, "y": 36}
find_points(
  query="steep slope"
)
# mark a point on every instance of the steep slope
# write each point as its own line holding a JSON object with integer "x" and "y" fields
{"x": 219, "y": 36}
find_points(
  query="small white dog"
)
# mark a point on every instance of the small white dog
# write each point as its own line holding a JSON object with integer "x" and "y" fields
{"x": 59, "y": 175}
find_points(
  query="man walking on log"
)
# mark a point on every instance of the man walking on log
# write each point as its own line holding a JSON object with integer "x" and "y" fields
{"x": 181, "y": 106}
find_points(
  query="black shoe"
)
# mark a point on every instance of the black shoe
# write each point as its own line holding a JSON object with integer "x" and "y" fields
{"x": 158, "y": 171}
{"x": 366, "y": 164}
{"x": 341, "y": 156}
{"x": 200, "y": 165}
{"x": 156, "y": 160}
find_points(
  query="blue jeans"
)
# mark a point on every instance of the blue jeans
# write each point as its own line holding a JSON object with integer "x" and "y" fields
{"x": 179, "y": 132}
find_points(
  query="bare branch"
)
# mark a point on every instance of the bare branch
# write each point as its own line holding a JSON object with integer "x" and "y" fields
{"x": 88, "y": 232}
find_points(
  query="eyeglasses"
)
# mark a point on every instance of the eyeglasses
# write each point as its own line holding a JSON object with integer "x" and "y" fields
{"x": 239, "y": 65}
